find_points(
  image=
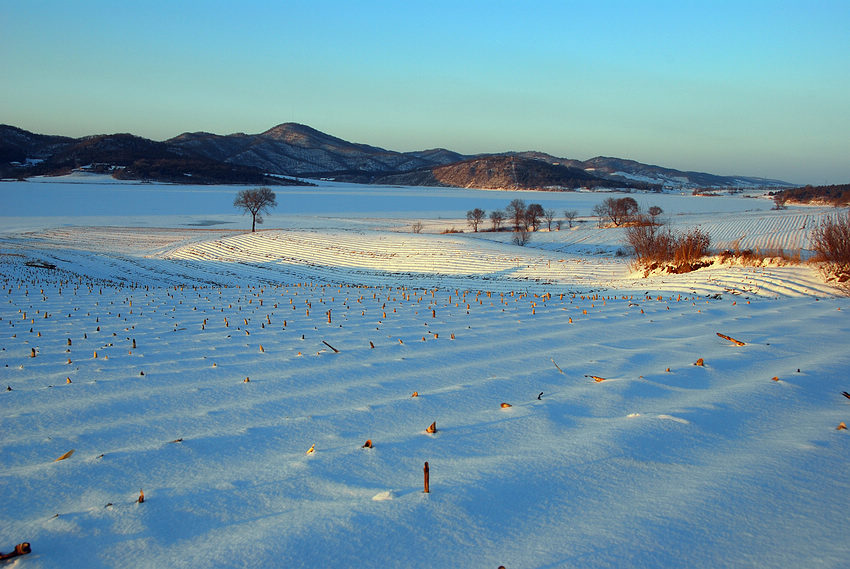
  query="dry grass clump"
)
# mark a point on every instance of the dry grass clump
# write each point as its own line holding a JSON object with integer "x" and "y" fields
{"x": 690, "y": 247}
{"x": 759, "y": 257}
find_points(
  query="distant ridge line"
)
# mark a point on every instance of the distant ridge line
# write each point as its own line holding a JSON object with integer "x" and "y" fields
{"x": 296, "y": 150}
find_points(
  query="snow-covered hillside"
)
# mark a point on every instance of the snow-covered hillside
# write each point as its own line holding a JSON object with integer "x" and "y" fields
{"x": 177, "y": 355}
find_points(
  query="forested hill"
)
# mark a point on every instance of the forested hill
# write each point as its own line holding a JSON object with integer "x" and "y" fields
{"x": 299, "y": 151}
{"x": 507, "y": 172}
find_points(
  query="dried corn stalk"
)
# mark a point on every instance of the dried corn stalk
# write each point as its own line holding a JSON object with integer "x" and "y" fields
{"x": 733, "y": 340}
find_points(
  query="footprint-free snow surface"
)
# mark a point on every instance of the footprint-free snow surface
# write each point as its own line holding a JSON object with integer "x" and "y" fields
{"x": 585, "y": 416}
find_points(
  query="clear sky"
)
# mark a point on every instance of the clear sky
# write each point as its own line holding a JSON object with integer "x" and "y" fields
{"x": 759, "y": 88}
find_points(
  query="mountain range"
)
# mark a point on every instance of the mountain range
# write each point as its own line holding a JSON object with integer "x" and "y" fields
{"x": 292, "y": 150}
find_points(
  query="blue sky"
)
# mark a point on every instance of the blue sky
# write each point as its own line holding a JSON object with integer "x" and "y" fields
{"x": 752, "y": 88}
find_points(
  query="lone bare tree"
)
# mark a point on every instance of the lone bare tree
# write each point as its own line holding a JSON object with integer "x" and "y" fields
{"x": 474, "y": 217}
{"x": 570, "y": 214}
{"x": 255, "y": 201}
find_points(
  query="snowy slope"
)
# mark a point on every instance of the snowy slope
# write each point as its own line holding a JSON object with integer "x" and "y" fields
{"x": 144, "y": 338}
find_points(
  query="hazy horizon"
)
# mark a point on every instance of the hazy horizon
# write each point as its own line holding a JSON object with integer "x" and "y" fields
{"x": 757, "y": 89}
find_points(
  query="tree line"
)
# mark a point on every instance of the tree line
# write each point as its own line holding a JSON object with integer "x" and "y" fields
{"x": 837, "y": 195}
{"x": 519, "y": 216}
{"x": 618, "y": 211}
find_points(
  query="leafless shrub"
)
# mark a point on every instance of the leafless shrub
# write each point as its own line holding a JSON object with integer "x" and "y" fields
{"x": 641, "y": 220}
{"x": 831, "y": 243}
{"x": 652, "y": 243}
{"x": 521, "y": 237}
{"x": 655, "y": 245}
{"x": 779, "y": 201}
{"x": 416, "y": 227}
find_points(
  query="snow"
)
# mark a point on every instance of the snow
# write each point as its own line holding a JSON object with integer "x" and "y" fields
{"x": 641, "y": 177}
{"x": 663, "y": 464}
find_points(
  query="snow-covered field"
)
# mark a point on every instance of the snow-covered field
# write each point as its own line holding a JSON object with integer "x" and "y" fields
{"x": 135, "y": 350}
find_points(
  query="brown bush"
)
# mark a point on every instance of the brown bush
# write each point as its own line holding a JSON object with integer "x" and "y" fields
{"x": 831, "y": 243}
{"x": 652, "y": 243}
{"x": 655, "y": 245}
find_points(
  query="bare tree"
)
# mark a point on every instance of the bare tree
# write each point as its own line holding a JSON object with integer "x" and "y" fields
{"x": 779, "y": 201}
{"x": 655, "y": 211}
{"x": 516, "y": 212}
{"x": 255, "y": 201}
{"x": 549, "y": 215}
{"x": 570, "y": 214}
{"x": 601, "y": 213}
{"x": 618, "y": 211}
{"x": 497, "y": 216}
{"x": 417, "y": 227}
{"x": 474, "y": 217}
{"x": 532, "y": 215}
